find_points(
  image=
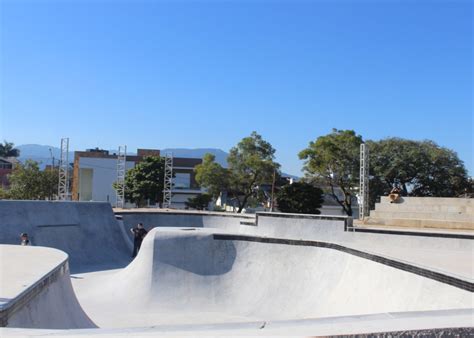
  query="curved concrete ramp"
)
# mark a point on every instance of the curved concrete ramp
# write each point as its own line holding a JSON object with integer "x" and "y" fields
{"x": 36, "y": 290}
{"x": 186, "y": 276}
{"x": 87, "y": 231}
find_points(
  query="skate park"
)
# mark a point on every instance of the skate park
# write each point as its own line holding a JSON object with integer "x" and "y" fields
{"x": 211, "y": 273}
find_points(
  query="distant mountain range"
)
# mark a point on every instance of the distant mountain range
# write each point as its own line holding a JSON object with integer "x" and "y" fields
{"x": 46, "y": 154}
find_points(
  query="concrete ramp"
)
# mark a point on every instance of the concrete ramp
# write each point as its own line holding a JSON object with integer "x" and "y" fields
{"x": 36, "y": 290}
{"x": 87, "y": 231}
{"x": 186, "y": 276}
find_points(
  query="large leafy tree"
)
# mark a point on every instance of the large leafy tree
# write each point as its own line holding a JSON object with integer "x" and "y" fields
{"x": 145, "y": 182}
{"x": 301, "y": 198}
{"x": 420, "y": 168}
{"x": 28, "y": 182}
{"x": 334, "y": 159}
{"x": 7, "y": 149}
{"x": 250, "y": 165}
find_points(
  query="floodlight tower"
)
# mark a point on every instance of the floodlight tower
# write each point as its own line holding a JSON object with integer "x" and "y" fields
{"x": 120, "y": 186}
{"x": 168, "y": 182}
{"x": 364, "y": 182}
{"x": 63, "y": 186}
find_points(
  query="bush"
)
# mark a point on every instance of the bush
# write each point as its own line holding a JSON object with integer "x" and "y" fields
{"x": 300, "y": 198}
{"x": 199, "y": 202}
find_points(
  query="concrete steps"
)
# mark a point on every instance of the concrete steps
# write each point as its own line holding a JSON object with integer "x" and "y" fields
{"x": 439, "y": 215}
{"x": 424, "y": 212}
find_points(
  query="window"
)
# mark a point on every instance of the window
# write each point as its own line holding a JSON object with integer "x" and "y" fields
{"x": 182, "y": 181}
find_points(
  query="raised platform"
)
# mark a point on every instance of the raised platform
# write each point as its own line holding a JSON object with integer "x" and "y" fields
{"x": 36, "y": 291}
{"x": 423, "y": 212}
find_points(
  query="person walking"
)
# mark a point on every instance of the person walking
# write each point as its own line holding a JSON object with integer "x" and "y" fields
{"x": 139, "y": 234}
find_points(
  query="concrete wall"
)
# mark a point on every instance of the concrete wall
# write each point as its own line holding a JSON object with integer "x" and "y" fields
{"x": 103, "y": 176}
{"x": 87, "y": 231}
{"x": 295, "y": 226}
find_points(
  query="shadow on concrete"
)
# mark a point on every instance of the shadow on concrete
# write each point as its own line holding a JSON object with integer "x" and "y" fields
{"x": 201, "y": 255}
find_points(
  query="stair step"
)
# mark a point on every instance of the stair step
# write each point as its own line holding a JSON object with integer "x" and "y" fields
{"x": 420, "y": 223}
{"x": 446, "y": 216}
{"x": 431, "y": 201}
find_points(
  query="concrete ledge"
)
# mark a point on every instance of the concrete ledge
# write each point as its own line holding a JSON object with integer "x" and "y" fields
{"x": 414, "y": 232}
{"x": 420, "y": 223}
{"x": 180, "y": 212}
{"x": 13, "y": 294}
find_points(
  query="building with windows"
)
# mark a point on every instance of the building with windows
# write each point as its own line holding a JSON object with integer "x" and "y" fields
{"x": 6, "y": 168}
{"x": 95, "y": 171}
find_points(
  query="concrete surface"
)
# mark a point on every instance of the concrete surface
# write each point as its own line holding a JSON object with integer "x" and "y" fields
{"x": 36, "y": 290}
{"x": 384, "y": 322}
{"x": 186, "y": 282}
{"x": 187, "y": 277}
{"x": 86, "y": 231}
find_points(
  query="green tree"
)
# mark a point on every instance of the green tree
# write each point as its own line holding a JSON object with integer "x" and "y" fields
{"x": 28, "y": 182}
{"x": 199, "y": 202}
{"x": 300, "y": 198}
{"x": 145, "y": 181}
{"x": 420, "y": 168}
{"x": 250, "y": 165}
{"x": 212, "y": 175}
{"x": 7, "y": 149}
{"x": 334, "y": 158}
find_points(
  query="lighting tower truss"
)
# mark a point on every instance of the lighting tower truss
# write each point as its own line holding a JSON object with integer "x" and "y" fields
{"x": 120, "y": 185}
{"x": 364, "y": 182}
{"x": 63, "y": 186}
{"x": 168, "y": 182}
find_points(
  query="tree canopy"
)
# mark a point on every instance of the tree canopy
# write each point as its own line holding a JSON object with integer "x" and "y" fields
{"x": 420, "y": 168}
{"x": 334, "y": 159}
{"x": 28, "y": 182}
{"x": 145, "y": 181}
{"x": 301, "y": 198}
{"x": 250, "y": 165}
{"x": 7, "y": 149}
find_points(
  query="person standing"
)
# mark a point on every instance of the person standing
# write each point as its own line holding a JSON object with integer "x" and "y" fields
{"x": 24, "y": 239}
{"x": 139, "y": 234}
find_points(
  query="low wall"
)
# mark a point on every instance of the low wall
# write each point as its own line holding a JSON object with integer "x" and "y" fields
{"x": 284, "y": 225}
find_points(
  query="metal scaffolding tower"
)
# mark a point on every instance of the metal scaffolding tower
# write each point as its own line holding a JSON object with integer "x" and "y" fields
{"x": 63, "y": 187}
{"x": 120, "y": 185}
{"x": 168, "y": 186}
{"x": 364, "y": 182}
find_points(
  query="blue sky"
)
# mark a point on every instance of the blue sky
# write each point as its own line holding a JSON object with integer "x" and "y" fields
{"x": 161, "y": 74}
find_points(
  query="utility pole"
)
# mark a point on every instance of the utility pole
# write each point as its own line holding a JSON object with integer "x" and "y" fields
{"x": 52, "y": 157}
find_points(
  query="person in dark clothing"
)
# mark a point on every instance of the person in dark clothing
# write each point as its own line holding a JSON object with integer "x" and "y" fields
{"x": 139, "y": 233}
{"x": 24, "y": 239}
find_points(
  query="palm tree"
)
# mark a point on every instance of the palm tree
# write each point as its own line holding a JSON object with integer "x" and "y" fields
{"x": 7, "y": 149}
